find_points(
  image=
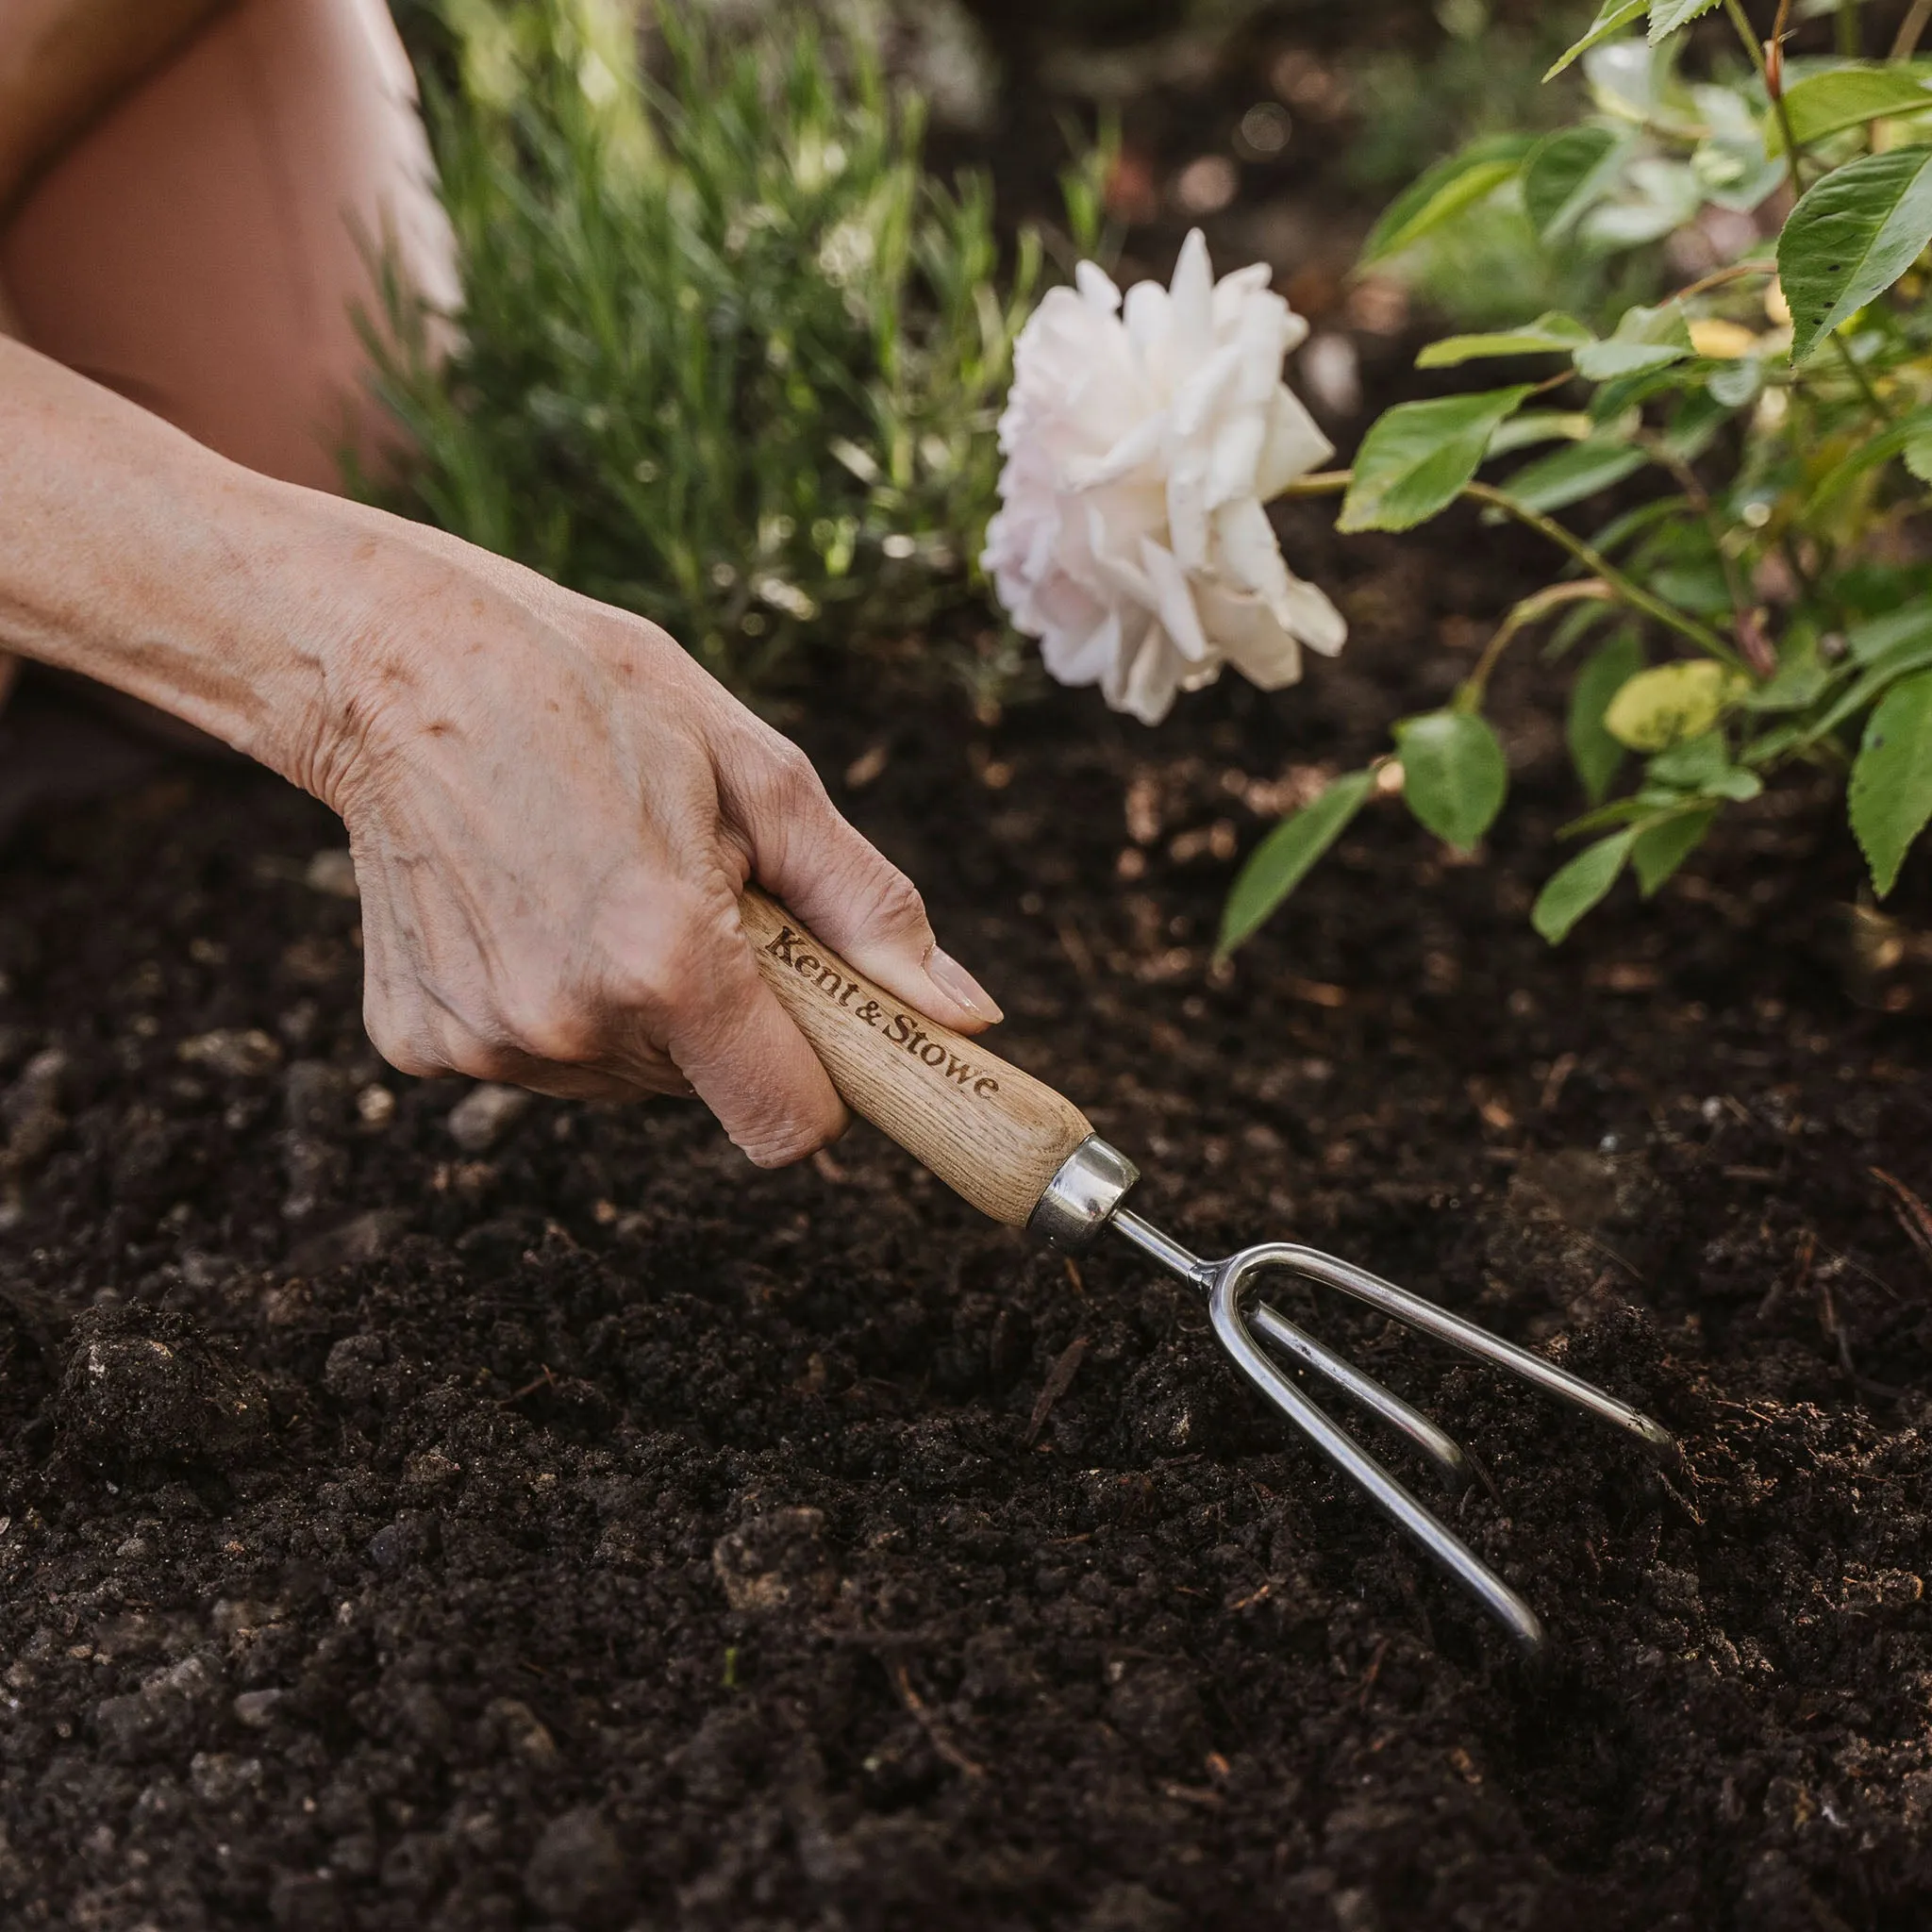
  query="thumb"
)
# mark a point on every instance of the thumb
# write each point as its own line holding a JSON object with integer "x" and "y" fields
{"x": 862, "y": 906}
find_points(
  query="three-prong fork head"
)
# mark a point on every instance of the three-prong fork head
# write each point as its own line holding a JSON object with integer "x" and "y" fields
{"x": 1086, "y": 1200}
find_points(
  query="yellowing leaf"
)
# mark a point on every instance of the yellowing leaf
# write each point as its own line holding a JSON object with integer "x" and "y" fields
{"x": 1721, "y": 340}
{"x": 1663, "y": 707}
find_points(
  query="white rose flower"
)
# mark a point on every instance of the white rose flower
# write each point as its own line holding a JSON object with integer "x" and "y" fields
{"x": 1141, "y": 440}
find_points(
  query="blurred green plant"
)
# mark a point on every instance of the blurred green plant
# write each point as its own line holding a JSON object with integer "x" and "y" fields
{"x": 725, "y": 356}
{"x": 1781, "y": 402}
{"x": 1482, "y": 79}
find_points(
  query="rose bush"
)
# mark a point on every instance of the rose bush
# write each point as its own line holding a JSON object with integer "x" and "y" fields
{"x": 1764, "y": 606}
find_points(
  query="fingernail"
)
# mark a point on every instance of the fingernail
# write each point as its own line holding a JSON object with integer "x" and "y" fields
{"x": 957, "y": 984}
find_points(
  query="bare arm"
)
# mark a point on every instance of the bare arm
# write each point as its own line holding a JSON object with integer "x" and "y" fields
{"x": 62, "y": 61}
{"x": 552, "y": 809}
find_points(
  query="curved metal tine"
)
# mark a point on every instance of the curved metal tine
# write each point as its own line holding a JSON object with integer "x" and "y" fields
{"x": 1341, "y": 1449}
{"x": 1467, "y": 1336}
{"x": 1440, "y": 1446}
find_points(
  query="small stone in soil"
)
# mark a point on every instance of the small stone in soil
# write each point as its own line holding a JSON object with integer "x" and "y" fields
{"x": 414, "y": 1535}
{"x": 239, "y": 1053}
{"x": 776, "y": 1561}
{"x": 485, "y": 1114}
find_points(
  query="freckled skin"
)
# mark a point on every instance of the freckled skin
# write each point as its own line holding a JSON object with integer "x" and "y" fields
{"x": 552, "y": 809}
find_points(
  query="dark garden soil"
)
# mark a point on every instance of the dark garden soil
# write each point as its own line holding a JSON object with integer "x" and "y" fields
{"x": 423, "y": 1512}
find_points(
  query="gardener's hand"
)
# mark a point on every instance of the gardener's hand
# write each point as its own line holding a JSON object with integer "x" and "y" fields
{"x": 553, "y": 810}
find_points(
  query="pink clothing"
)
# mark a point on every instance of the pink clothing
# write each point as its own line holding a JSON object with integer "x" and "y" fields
{"x": 200, "y": 248}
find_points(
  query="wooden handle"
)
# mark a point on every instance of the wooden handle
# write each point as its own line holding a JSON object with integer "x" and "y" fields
{"x": 991, "y": 1133}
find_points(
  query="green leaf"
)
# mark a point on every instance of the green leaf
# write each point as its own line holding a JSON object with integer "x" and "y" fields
{"x": 1852, "y": 236}
{"x": 1918, "y": 457}
{"x": 1646, "y": 339}
{"x": 1530, "y": 426}
{"x": 1616, "y": 15}
{"x": 1663, "y": 707}
{"x": 1416, "y": 458}
{"x": 1579, "y": 885}
{"x": 1554, "y": 482}
{"x": 1869, "y": 452}
{"x": 1801, "y": 679}
{"x": 1667, "y": 16}
{"x": 1825, "y": 103}
{"x": 1285, "y": 856}
{"x": 1891, "y": 794}
{"x": 1659, "y": 849}
{"x": 1878, "y": 637}
{"x": 1703, "y": 765}
{"x": 1566, "y": 171}
{"x": 1909, "y": 652}
{"x": 1443, "y": 193}
{"x": 1551, "y": 334}
{"x": 1454, "y": 775}
{"x": 1607, "y": 669}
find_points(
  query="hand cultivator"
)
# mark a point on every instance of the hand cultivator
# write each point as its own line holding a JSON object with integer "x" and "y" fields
{"x": 1018, "y": 1152}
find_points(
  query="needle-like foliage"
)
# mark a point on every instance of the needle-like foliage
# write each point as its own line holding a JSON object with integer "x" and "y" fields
{"x": 727, "y": 357}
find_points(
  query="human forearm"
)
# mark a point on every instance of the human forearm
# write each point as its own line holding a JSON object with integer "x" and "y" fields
{"x": 62, "y": 61}
{"x": 130, "y": 554}
{"x": 552, "y": 809}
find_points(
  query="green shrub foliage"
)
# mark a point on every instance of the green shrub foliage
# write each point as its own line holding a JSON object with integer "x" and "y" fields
{"x": 1770, "y": 605}
{"x": 726, "y": 356}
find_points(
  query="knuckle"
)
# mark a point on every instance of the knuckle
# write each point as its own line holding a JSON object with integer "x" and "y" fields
{"x": 673, "y": 955}
{"x": 786, "y": 784}
{"x": 898, "y": 905}
{"x": 552, "y": 1027}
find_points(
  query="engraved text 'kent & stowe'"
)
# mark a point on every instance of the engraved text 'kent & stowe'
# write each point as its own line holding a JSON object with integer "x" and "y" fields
{"x": 900, "y": 1029}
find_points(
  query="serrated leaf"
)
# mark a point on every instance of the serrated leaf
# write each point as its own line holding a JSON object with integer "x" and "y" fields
{"x": 1852, "y": 236}
{"x": 1668, "y": 704}
{"x": 1564, "y": 173}
{"x": 1616, "y": 15}
{"x": 1594, "y": 753}
{"x": 1416, "y": 458}
{"x": 1659, "y": 849}
{"x": 1286, "y": 856}
{"x": 1444, "y": 192}
{"x": 1568, "y": 475}
{"x": 1552, "y": 334}
{"x": 1581, "y": 884}
{"x": 1454, "y": 775}
{"x": 1667, "y": 16}
{"x": 1890, "y": 792}
{"x": 1823, "y": 104}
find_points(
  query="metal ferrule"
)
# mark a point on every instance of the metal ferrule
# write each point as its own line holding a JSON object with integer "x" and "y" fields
{"x": 1081, "y": 1199}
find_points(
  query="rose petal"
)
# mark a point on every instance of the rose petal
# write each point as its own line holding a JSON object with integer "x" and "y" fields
{"x": 1174, "y": 600}
{"x": 1313, "y": 618}
{"x": 1294, "y": 446}
{"x": 1192, "y": 292}
{"x": 1098, "y": 288}
{"x": 1237, "y": 454}
{"x": 1252, "y": 640}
